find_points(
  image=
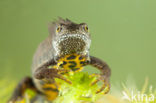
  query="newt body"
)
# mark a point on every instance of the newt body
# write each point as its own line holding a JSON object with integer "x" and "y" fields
{"x": 65, "y": 49}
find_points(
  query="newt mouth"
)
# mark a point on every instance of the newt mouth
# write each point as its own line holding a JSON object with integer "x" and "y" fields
{"x": 72, "y": 43}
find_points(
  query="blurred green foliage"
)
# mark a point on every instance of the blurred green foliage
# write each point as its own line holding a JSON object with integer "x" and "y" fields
{"x": 6, "y": 87}
{"x": 123, "y": 33}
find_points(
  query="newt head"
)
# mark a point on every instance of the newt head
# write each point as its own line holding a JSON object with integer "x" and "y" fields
{"x": 70, "y": 38}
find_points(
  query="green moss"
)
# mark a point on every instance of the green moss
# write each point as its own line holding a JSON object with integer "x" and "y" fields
{"x": 79, "y": 90}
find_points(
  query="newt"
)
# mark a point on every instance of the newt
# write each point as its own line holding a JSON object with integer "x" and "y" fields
{"x": 65, "y": 49}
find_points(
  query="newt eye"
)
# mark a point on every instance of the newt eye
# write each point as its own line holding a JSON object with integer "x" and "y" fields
{"x": 59, "y": 28}
{"x": 86, "y": 28}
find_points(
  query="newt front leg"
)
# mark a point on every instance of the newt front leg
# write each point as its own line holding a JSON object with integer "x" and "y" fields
{"x": 105, "y": 73}
{"x": 44, "y": 78}
{"x": 45, "y": 73}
